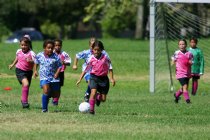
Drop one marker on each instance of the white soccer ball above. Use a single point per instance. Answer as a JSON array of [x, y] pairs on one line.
[[84, 107]]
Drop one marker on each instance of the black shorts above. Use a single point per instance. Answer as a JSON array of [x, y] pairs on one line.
[[20, 74], [101, 83], [184, 81], [61, 76]]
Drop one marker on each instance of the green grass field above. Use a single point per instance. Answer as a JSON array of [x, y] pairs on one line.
[[129, 113]]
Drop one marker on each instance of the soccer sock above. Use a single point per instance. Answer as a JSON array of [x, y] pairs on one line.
[[45, 100], [178, 93], [55, 99], [24, 97], [92, 104], [194, 87], [88, 90], [186, 95], [98, 96]]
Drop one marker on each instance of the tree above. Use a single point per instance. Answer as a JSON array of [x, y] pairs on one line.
[[116, 16]]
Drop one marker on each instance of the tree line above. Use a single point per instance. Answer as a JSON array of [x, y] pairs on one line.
[[64, 18]]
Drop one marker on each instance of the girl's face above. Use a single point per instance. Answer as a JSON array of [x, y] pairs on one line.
[[182, 46], [193, 43], [24, 46], [58, 46], [48, 50], [97, 51]]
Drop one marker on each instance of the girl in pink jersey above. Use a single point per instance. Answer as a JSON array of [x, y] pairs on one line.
[[183, 60], [65, 60], [99, 67], [24, 62]]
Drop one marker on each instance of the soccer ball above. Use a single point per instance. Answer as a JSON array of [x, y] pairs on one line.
[[84, 107]]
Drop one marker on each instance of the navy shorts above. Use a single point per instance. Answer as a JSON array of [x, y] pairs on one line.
[[184, 81], [20, 74], [101, 83]]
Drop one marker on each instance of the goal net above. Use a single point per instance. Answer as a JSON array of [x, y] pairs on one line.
[[171, 22]]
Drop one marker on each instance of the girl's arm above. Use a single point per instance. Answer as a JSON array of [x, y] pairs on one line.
[[111, 75], [75, 63], [57, 73], [81, 76], [14, 62], [35, 71]]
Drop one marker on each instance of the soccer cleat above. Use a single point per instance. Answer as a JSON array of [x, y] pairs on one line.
[[92, 112], [55, 103], [188, 101], [176, 98], [86, 97], [25, 105], [44, 110]]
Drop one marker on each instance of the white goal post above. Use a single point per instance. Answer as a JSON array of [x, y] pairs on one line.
[[152, 34]]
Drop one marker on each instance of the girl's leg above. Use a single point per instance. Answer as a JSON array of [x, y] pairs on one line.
[[194, 85], [87, 94], [185, 93], [45, 97], [25, 91], [92, 100], [179, 93]]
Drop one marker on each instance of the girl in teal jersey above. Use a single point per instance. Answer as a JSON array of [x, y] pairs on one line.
[[197, 68]]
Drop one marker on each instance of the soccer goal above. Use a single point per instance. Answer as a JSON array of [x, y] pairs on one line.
[[171, 20]]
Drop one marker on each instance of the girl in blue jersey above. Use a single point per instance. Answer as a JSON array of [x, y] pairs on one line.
[[50, 66]]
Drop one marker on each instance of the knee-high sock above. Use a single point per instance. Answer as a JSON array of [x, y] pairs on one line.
[[45, 100], [24, 97], [186, 95], [56, 99], [88, 90], [178, 93], [194, 86], [92, 104]]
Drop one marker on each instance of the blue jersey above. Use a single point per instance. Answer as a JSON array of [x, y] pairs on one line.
[[48, 66]]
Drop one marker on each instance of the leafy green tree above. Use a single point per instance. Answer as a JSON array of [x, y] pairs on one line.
[[114, 16]]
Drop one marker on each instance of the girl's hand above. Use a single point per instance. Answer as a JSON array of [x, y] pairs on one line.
[[74, 67], [35, 74], [56, 75], [113, 82], [10, 66], [78, 82]]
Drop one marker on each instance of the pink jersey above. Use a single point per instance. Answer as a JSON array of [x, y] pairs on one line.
[[22, 58], [183, 65], [98, 67], [64, 57]]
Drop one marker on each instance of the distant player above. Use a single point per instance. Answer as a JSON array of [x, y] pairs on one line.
[[65, 60], [197, 68], [99, 66], [183, 60], [50, 66], [85, 55], [24, 65]]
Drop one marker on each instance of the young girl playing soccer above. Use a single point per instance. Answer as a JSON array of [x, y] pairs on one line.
[[65, 60], [197, 68], [50, 66], [99, 66], [24, 65], [85, 55], [183, 60]]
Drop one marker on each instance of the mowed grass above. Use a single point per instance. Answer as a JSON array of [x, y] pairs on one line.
[[130, 112]]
